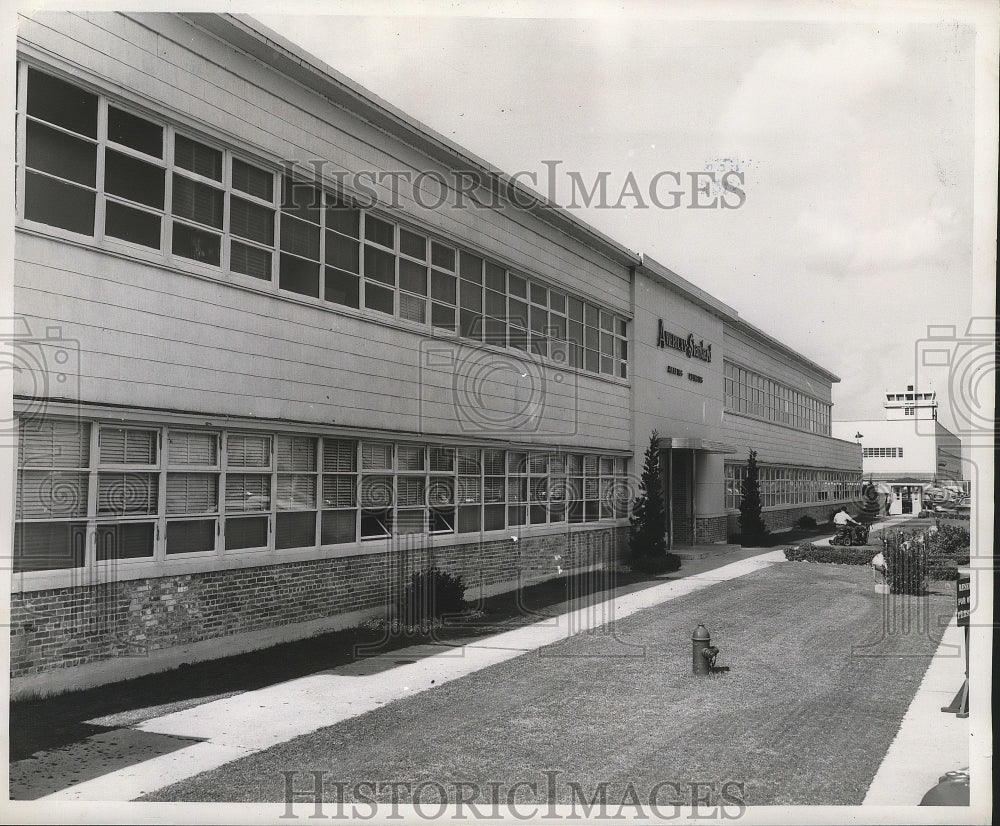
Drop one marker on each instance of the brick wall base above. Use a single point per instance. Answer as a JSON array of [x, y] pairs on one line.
[[787, 517], [709, 529], [69, 638]]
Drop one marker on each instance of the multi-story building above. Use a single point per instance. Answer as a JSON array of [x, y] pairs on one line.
[[286, 346], [909, 452]]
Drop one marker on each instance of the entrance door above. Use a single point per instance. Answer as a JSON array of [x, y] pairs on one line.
[[681, 497], [907, 500]]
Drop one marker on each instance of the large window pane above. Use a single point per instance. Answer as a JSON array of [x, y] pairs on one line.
[[134, 225], [299, 237], [191, 493], [59, 154], [52, 494], [253, 181], [249, 532], [52, 202], [196, 244], [198, 158], [380, 266], [412, 276], [190, 536], [342, 288], [251, 221], [381, 232], [248, 492], [48, 546], [135, 132], [127, 494], [197, 201], [133, 179], [379, 298], [62, 103], [298, 276], [338, 527], [129, 540], [249, 260], [342, 252], [344, 220], [412, 244], [295, 530]]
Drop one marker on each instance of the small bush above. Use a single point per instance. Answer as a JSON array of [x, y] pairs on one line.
[[806, 523], [836, 554], [429, 596], [951, 540]]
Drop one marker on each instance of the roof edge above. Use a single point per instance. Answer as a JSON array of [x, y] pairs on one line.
[[248, 34]]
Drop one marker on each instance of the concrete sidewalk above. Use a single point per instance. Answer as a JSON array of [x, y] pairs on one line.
[[930, 742]]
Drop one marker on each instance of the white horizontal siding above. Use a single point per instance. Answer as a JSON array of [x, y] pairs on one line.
[[749, 353], [786, 446], [154, 337]]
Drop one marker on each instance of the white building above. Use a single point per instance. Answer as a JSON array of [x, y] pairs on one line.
[[268, 384], [908, 451]]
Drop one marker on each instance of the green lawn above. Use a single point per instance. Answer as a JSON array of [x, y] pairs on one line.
[[822, 671]]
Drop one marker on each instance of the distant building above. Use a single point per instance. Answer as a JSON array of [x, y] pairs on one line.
[[909, 451]]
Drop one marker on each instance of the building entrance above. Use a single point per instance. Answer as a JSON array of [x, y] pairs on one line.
[[680, 497]]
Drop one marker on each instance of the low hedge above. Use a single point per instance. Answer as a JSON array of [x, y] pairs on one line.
[[837, 554]]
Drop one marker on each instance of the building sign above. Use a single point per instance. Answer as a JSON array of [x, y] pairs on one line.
[[687, 346], [674, 371], [695, 378], [964, 599]]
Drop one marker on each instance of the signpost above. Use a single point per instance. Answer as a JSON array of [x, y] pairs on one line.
[[960, 705]]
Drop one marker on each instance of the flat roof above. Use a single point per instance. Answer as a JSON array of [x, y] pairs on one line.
[[253, 37]]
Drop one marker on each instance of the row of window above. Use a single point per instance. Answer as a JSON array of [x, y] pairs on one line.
[[883, 453], [94, 168], [793, 486], [156, 492], [752, 393]]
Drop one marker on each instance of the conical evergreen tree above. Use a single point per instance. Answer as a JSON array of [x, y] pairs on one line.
[[752, 527], [871, 506], [648, 522]]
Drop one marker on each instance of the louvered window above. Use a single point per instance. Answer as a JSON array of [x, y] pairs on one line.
[[247, 494], [340, 482], [127, 446], [376, 456], [295, 525], [53, 456], [192, 495], [127, 495]]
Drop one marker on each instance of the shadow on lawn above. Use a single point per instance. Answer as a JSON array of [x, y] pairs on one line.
[[48, 723]]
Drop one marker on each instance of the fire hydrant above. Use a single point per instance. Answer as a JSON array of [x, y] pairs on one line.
[[701, 643]]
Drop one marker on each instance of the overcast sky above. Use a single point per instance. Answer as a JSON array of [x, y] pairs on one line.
[[855, 140]]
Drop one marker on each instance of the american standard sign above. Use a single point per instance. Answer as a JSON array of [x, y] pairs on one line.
[[687, 346]]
